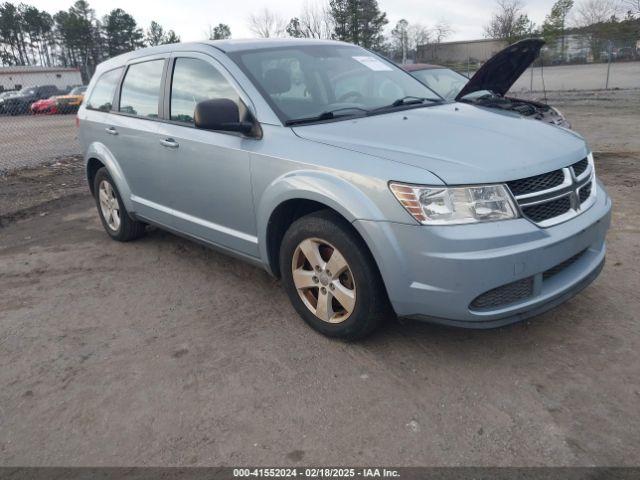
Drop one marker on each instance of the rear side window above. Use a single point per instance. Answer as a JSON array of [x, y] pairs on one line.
[[140, 93], [102, 94], [194, 81]]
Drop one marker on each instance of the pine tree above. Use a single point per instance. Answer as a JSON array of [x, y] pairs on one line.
[[555, 23], [358, 21], [155, 34], [121, 32]]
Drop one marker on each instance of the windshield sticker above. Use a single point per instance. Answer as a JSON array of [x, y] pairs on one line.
[[373, 63]]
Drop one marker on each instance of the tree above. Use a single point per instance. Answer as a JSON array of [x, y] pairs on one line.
[[590, 12], [509, 22], [155, 34], [171, 37], [358, 21], [314, 22], [266, 24], [555, 23], [11, 35], [418, 35], [294, 28], [400, 36], [78, 34], [221, 31], [442, 30], [121, 32]]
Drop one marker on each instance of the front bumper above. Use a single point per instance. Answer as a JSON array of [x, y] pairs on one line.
[[435, 273]]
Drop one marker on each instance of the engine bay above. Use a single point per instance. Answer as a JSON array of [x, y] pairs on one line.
[[527, 108]]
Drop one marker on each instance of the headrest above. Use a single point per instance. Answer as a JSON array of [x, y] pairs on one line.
[[277, 80]]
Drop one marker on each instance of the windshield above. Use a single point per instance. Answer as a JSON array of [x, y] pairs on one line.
[[303, 82], [78, 91], [443, 81], [28, 91]]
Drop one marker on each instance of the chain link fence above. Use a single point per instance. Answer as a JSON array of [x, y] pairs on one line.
[[37, 115]]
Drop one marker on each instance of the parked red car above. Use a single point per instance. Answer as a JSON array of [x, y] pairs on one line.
[[47, 106]]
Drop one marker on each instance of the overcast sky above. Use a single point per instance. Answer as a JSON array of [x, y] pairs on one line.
[[190, 18]]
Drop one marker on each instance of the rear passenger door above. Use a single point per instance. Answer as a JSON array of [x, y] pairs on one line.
[[134, 128], [98, 107], [209, 171]]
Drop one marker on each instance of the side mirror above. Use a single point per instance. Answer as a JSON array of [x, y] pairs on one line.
[[220, 114]]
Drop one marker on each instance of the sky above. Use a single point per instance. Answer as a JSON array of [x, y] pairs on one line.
[[191, 18]]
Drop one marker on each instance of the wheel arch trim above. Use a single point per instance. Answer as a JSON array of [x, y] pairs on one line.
[[100, 152], [310, 185]]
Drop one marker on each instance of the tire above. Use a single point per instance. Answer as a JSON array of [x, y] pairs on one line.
[[359, 283], [125, 228]]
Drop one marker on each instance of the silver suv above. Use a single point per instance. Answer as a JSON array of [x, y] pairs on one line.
[[333, 169]]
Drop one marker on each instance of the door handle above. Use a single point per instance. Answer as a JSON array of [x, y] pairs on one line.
[[169, 143], [111, 131]]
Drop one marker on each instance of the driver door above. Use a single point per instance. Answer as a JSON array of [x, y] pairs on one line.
[[210, 180]]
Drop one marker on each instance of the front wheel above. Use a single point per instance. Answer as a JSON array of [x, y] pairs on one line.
[[115, 218], [331, 278]]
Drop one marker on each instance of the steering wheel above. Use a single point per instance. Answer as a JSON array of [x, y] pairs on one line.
[[355, 96]]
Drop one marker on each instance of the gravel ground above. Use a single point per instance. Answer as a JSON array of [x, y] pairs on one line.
[[161, 352]]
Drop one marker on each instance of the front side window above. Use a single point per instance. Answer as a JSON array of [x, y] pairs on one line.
[[102, 94], [140, 93], [305, 81], [195, 81]]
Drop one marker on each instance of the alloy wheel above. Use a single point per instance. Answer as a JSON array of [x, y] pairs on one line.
[[323, 280], [109, 205]]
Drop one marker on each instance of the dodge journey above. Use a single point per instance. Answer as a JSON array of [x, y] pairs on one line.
[[367, 193]]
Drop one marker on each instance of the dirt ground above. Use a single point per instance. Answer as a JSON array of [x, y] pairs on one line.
[[161, 352]]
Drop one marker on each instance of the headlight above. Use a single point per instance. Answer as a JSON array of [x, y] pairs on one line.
[[455, 205]]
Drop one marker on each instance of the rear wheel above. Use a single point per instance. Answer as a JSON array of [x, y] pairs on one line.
[[115, 219], [331, 278]]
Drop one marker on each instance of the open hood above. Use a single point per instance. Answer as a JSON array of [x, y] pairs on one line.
[[502, 70]]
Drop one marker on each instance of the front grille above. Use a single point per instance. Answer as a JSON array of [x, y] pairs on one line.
[[561, 266], [536, 183], [504, 295], [580, 167], [555, 196], [585, 192], [545, 211]]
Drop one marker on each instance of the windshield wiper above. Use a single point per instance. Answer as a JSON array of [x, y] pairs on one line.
[[328, 115], [408, 100], [411, 100]]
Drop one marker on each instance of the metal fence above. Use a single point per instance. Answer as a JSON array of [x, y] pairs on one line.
[[570, 62], [37, 121]]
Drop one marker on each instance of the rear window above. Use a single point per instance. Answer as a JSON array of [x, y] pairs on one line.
[[141, 89], [103, 92]]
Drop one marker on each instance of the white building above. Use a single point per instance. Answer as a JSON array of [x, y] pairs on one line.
[[15, 78]]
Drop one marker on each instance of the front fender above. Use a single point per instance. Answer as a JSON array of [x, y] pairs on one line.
[[100, 152], [342, 196]]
